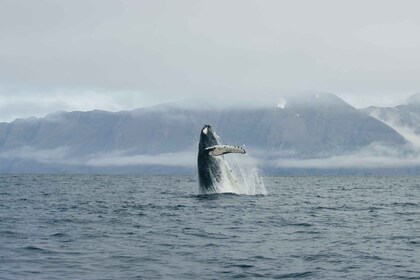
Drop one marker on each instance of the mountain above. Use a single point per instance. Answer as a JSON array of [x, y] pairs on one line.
[[165, 137], [403, 118]]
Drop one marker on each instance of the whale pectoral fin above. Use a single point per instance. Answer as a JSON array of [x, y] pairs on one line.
[[219, 150]]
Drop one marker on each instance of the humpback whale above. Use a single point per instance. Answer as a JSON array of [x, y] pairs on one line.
[[213, 170]]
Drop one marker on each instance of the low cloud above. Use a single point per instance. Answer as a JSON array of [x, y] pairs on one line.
[[179, 159], [393, 121], [57, 155], [63, 155], [373, 156]]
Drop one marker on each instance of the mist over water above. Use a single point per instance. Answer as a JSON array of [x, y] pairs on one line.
[[155, 227]]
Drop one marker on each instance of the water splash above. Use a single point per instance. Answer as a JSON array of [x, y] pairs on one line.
[[248, 179], [240, 175]]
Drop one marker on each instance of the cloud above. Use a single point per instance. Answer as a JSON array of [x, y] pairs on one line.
[[179, 159], [23, 103], [63, 155], [391, 35], [57, 155], [392, 119], [373, 156], [211, 51]]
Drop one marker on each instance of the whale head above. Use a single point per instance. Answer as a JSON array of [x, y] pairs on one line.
[[208, 137]]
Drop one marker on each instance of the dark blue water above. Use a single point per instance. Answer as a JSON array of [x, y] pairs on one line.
[[138, 227]]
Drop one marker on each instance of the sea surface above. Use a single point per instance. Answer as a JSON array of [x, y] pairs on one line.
[[157, 227]]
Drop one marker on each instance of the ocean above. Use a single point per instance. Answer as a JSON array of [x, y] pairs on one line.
[[157, 227]]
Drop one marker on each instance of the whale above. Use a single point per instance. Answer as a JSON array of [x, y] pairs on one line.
[[213, 171]]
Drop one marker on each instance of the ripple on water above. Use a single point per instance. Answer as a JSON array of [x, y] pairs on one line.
[[155, 227]]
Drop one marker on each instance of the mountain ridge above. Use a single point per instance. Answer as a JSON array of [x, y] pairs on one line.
[[320, 126]]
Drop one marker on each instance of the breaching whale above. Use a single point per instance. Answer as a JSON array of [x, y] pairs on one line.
[[213, 170]]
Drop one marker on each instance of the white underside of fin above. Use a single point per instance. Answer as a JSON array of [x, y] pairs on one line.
[[219, 150]]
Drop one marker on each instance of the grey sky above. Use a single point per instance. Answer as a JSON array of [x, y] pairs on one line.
[[86, 54]]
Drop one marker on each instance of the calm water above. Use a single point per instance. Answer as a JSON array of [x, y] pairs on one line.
[[137, 227]]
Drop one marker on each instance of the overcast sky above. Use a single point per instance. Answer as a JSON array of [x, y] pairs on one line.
[[114, 55]]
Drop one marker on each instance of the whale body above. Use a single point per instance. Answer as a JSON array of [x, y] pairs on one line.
[[213, 170]]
